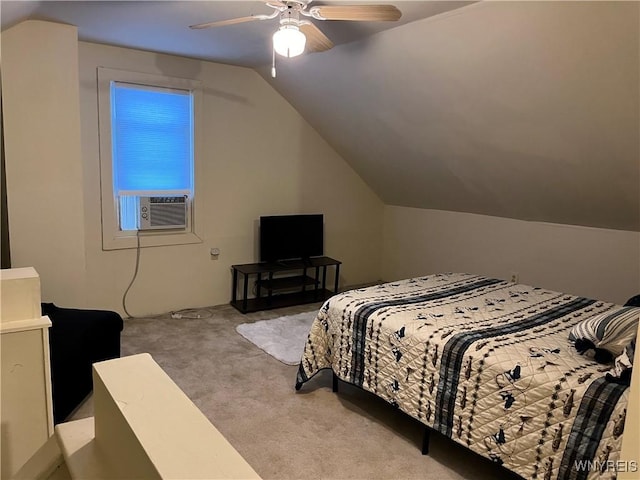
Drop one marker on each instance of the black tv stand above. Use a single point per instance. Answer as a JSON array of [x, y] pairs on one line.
[[284, 291]]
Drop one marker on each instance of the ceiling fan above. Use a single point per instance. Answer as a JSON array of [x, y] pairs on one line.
[[296, 34]]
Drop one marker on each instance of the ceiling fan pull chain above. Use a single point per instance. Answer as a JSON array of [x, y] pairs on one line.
[[273, 62]]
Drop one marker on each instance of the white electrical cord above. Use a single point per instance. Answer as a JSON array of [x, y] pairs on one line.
[[188, 313], [135, 274], [192, 313]]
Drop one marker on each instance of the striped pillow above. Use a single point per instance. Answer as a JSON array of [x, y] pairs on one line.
[[611, 331]]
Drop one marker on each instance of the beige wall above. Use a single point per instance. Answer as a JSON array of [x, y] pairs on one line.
[[261, 157], [43, 160], [592, 262]]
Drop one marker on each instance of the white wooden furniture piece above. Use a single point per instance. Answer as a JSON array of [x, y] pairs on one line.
[[146, 427], [25, 379]]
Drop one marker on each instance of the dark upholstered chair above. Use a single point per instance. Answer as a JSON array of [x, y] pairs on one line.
[[77, 339]]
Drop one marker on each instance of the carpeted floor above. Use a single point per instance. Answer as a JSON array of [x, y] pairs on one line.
[[249, 396]]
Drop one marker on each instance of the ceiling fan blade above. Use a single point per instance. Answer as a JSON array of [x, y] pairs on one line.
[[316, 40], [358, 13], [231, 21]]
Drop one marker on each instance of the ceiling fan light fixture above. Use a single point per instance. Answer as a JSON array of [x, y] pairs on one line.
[[289, 41]]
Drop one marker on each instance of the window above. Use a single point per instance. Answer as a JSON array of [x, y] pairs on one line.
[[147, 149], [152, 146]]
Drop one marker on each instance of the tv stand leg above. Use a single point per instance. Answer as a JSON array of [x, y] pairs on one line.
[[246, 289], [258, 285], [234, 294]]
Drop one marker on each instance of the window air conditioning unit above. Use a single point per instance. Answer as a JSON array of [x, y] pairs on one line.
[[163, 212]]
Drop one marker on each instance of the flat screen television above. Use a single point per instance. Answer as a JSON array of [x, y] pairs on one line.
[[288, 237]]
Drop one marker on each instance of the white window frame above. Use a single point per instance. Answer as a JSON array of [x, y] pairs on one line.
[[112, 237]]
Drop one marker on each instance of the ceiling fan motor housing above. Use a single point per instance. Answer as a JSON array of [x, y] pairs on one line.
[[290, 16], [289, 41]]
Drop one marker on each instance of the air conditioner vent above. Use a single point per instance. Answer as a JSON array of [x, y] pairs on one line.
[[163, 212]]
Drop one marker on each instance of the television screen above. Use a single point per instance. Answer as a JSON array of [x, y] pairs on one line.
[[286, 237]]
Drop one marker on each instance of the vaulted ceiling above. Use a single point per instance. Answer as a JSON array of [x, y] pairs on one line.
[[527, 110]]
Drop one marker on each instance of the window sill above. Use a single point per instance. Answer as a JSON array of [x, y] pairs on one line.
[[150, 239]]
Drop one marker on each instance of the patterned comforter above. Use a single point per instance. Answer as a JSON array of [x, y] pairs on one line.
[[483, 361]]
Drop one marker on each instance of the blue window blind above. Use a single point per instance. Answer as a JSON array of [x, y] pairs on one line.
[[152, 144]]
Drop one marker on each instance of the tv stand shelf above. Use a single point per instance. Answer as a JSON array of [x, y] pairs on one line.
[[287, 282], [308, 284]]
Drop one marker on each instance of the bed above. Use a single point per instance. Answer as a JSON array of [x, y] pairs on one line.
[[484, 362]]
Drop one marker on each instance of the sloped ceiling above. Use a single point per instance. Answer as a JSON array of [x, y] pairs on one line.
[[162, 25], [526, 110]]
